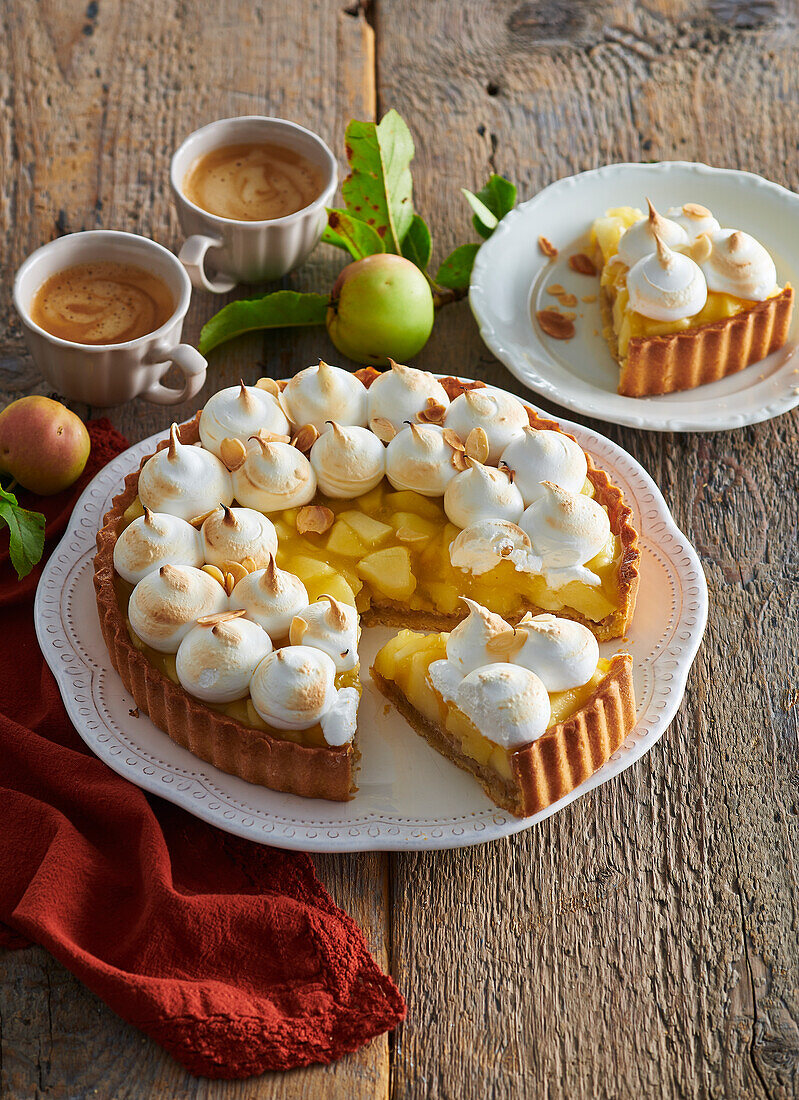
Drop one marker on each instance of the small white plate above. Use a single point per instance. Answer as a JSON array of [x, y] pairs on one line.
[[511, 276], [409, 797]]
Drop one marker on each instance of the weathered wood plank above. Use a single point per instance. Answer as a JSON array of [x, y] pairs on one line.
[[644, 941], [93, 101]]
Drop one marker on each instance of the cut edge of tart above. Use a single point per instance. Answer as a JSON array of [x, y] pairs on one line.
[[267, 758]]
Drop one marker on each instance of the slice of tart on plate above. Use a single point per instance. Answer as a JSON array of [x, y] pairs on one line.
[[531, 712], [236, 567], [684, 301]]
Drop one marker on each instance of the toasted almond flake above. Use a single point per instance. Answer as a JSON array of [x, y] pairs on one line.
[[568, 300], [459, 461], [556, 290], [268, 384], [367, 375], [695, 210], [502, 645], [408, 534], [477, 445], [383, 428], [250, 564], [453, 439], [215, 572], [548, 248], [314, 518], [569, 314], [220, 617], [282, 383], [582, 264], [701, 248], [588, 298], [434, 413], [230, 583], [198, 521], [235, 570], [456, 386], [233, 453], [305, 438], [554, 324]]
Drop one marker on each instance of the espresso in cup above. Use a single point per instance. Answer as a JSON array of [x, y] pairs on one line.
[[102, 302], [253, 182]]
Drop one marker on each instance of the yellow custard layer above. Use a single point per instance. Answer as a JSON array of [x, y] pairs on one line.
[[405, 660], [628, 325], [393, 548]]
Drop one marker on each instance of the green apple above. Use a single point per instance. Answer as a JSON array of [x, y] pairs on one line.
[[43, 445], [381, 308]]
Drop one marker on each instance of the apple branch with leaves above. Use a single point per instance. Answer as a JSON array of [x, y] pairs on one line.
[[26, 533], [378, 217]]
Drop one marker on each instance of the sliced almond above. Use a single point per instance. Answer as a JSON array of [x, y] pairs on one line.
[[477, 445], [695, 210], [501, 644], [230, 583], [271, 437], [460, 461], [555, 289], [234, 569], [409, 535], [250, 564], [588, 298], [582, 264], [701, 248], [569, 314], [548, 248], [233, 453], [198, 521], [383, 428], [555, 324], [568, 300], [305, 438], [220, 617], [268, 384], [434, 413], [453, 439], [314, 518], [367, 375], [215, 572]]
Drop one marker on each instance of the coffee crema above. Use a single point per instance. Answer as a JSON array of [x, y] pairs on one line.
[[102, 302], [252, 182]]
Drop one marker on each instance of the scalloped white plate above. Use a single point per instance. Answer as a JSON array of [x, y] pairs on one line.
[[409, 797], [511, 276]]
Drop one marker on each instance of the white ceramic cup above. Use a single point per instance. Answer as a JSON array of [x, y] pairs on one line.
[[249, 252], [110, 374]]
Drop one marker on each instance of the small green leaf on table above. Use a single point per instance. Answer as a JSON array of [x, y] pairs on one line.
[[491, 203], [356, 237], [283, 309], [417, 244], [26, 533], [456, 271], [379, 189]]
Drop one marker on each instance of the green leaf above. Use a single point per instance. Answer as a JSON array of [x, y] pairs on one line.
[[379, 189], [491, 203], [358, 238], [456, 270], [26, 533], [417, 244], [283, 309]]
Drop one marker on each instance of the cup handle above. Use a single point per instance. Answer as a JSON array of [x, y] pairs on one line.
[[193, 366], [192, 256]]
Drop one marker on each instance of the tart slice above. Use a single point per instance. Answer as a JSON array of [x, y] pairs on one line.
[[531, 712], [685, 302]]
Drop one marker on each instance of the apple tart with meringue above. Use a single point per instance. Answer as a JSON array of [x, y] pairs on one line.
[[685, 301], [237, 566]]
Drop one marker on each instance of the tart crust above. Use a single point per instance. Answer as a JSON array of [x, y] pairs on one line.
[[560, 760], [683, 360], [272, 761]]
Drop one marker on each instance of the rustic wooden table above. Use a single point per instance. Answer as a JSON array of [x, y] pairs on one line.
[[643, 942]]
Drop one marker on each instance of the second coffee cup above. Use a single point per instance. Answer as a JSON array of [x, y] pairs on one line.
[[226, 176]]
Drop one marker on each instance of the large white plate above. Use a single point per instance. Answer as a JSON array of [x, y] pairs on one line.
[[409, 796], [511, 276]]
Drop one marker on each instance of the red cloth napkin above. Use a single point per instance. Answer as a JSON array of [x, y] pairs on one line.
[[230, 954]]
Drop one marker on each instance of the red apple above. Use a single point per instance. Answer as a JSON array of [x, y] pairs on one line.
[[43, 445]]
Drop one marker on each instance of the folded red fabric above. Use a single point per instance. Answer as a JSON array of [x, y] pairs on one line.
[[231, 955]]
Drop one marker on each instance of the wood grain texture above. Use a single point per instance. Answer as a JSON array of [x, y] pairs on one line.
[[643, 942]]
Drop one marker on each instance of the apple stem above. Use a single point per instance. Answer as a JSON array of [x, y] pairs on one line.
[[445, 297]]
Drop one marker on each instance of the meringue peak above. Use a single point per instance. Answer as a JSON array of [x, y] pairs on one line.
[[174, 577], [664, 253], [174, 442]]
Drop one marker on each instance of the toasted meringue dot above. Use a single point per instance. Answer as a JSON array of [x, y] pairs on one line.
[[322, 393], [472, 642], [153, 540], [639, 240], [330, 626], [271, 597], [538, 455], [500, 416], [566, 530], [401, 393], [348, 461], [293, 687], [274, 476], [420, 458], [666, 285], [165, 604], [562, 653], [215, 662], [239, 412], [739, 265], [184, 481], [236, 534], [481, 493], [693, 218]]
